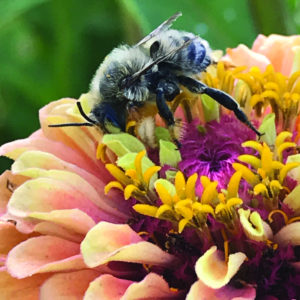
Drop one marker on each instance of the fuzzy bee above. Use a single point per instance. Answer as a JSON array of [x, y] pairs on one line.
[[152, 72]]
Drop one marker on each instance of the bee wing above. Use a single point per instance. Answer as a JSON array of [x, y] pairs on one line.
[[158, 60], [162, 27]]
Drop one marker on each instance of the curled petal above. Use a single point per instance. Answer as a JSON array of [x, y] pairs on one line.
[[254, 227], [213, 271], [44, 254], [292, 200], [288, 167], [112, 242], [289, 234], [67, 285], [199, 291]]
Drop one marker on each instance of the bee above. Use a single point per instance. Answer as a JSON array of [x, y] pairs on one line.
[[152, 72]]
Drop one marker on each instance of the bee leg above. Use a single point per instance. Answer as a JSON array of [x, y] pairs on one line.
[[165, 112], [196, 86]]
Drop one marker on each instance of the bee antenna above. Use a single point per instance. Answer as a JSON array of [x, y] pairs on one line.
[[71, 124], [83, 114]]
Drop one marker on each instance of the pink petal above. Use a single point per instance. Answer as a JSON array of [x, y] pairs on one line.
[[64, 191], [111, 242], [67, 285], [43, 254], [289, 234], [20, 289], [39, 142], [243, 56], [199, 291], [107, 287], [213, 271]]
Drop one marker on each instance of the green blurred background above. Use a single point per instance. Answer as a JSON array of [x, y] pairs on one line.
[[50, 49]]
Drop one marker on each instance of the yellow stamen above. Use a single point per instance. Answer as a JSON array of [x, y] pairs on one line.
[[149, 173], [270, 217], [163, 209], [163, 194], [130, 124], [233, 185], [145, 209], [131, 173], [266, 158], [100, 153], [118, 174], [226, 244], [180, 184], [190, 186], [181, 225], [247, 174], [113, 184], [260, 189], [283, 147], [209, 193], [288, 167], [138, 163], [254, 145], [143, 233], [282, 136], [251, 160], [129, 190]]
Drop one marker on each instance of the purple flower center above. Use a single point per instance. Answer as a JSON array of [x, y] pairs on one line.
[[213, 152]]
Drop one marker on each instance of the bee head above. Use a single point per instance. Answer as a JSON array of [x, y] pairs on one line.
[[110, 114]]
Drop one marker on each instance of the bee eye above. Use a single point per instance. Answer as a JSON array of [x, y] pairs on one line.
[[154, 48]]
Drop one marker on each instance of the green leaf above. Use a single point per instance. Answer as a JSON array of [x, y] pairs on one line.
[[167, 185], [269, 129], [168, 154], [162, 133], [122, 143], [210, 108], [126, 162]]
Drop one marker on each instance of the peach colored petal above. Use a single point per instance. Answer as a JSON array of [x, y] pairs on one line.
[[64, 191], [199, 291], [151, 287], [8, 182], [279, 50], [259, 42], [43, 254], [111, 242], [35, 163], [289, 234], [9, 237], [69, 286], [80, 138], [107, 287], [48, 228], [72, 219], [20, 289], [243, 56], [213, 271]]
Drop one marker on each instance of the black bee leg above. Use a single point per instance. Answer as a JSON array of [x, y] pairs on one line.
[[165, 112], [221, 97]]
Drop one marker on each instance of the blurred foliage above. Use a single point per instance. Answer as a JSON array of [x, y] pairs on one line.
[[50, 49]]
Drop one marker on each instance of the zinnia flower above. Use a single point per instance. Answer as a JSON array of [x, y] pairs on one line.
[[88, 216]]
